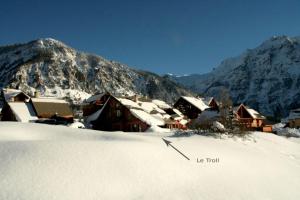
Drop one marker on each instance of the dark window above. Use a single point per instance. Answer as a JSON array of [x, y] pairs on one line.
[[119, 113]]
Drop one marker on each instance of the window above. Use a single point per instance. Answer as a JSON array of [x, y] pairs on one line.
[[119, 113]]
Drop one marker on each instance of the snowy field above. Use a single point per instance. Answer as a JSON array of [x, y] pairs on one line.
[[54, 162]]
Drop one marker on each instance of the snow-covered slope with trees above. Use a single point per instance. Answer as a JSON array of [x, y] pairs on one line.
[[58, 70], [266, 78], [54, 162]]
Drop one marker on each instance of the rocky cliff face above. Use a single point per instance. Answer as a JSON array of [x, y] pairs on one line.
[[266, 78], [54, 69]]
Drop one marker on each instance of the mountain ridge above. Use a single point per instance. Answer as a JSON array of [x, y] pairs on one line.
[[55, 69], [266, 78]]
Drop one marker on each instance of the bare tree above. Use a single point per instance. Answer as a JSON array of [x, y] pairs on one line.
[[225, 106]]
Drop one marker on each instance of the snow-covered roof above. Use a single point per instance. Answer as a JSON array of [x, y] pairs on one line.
[[150, 107], [23, 112], [253, 113], [161, 104], [96, 114], [140, 112], [183, 121], [129, 103], [178, 112], [198, 103], [147, 118], [207, 100], [94, 98], [49, 100], [10, 93]]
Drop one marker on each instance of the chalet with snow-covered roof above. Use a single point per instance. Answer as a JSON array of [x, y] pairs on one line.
[[294, 118], [248, 117], [120, 114], [13, 95], [18, 106], [191, 106], [94, 103], [211, 102], [131, 114]]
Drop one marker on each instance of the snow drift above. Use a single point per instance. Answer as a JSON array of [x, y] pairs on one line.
[[55, 162]]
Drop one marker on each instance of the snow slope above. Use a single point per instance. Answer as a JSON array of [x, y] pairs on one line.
[[55, 162]]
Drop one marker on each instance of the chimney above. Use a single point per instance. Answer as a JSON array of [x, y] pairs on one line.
[[135, 98], [36, 94]]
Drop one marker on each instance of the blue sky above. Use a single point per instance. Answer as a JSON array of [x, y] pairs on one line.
[[180, 37]]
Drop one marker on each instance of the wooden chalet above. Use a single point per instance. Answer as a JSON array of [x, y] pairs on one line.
[[249, 118], [94, 103], [132, 114], [294, 118], [18, 106], [173, 118], [191, 106], [121, 114], [211, 102]]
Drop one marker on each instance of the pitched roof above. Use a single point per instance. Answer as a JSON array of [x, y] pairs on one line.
[[94, 98], [49, 100], [207, 100], [147, 118], [253, 113], [140, 113], [96, 114], [198, 103], [48, 107], [161, 104], [10, 93], [23, 112], [150, 107]]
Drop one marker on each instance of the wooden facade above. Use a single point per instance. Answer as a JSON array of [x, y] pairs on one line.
[[246, 119], [294, 119], [213, 104], [7, 96], [117, 117], [174, 124], [294, 123], [7, 114], [187, 108]]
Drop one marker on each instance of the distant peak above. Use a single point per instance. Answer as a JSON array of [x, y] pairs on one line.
[[48, 42]]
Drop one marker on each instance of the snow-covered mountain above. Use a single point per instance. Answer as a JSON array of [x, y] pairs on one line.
[[58, 70], [266, 78]]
